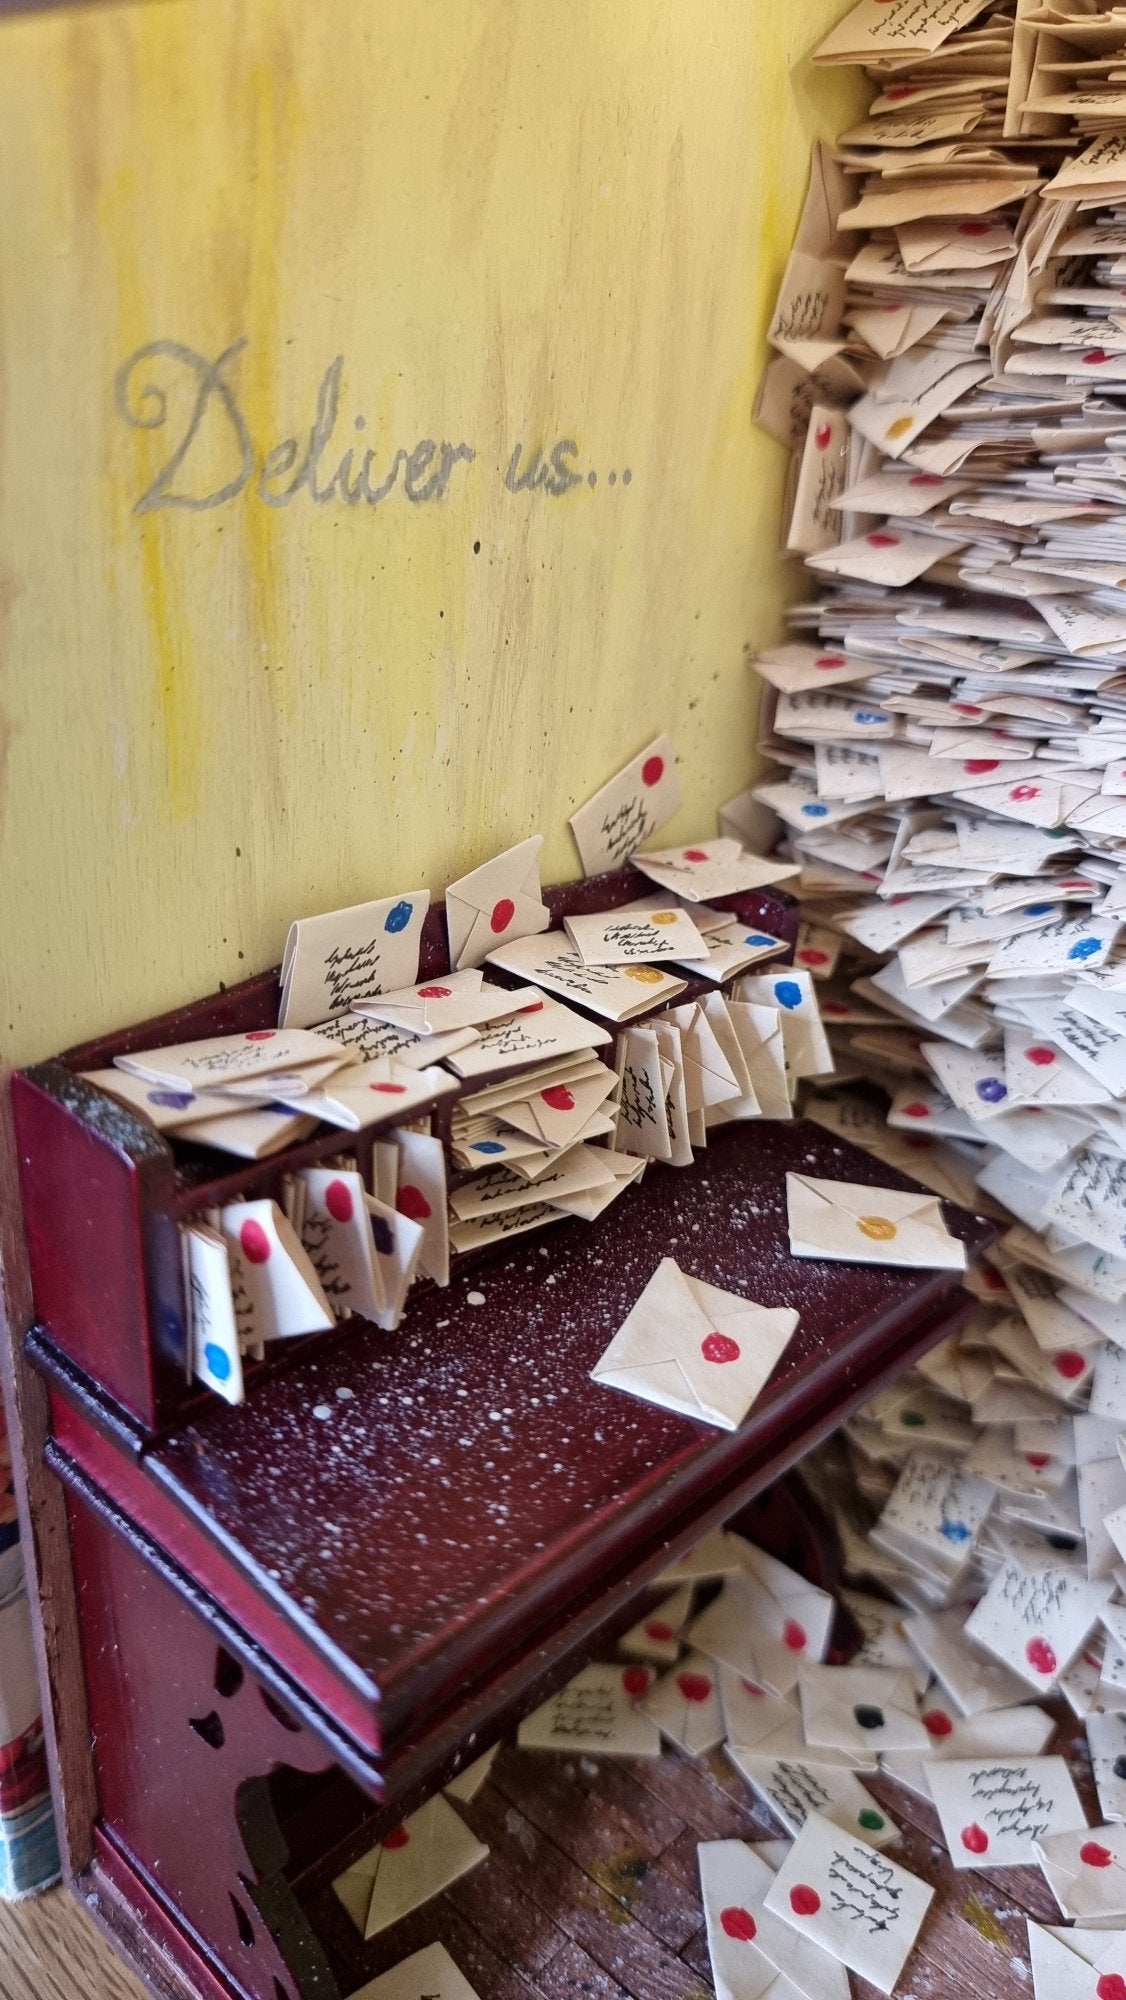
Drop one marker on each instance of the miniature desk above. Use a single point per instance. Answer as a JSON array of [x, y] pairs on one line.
[[297, 1617]]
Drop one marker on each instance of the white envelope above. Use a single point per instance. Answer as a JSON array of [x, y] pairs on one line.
[[398, 1246], [656, 1637], [332, 960], [371, 1093], [793, 1787], [421, 1197], [272, 1277], [868, 1710], [689, 1346], [336, 1233], [868, 1225], [455, 1000], [546, 1028], [792, 993], [221, 1058], [496, 902], [766, 1624], [632, 937], [216, 1357], [1086, 1872], [416, 1861], [610, 827], [853, 1902], [710, 868], [1062, 1973], [993, 1809], [596, 1715], [749, 1947], [615, 992], [685, 1705], [426, 1975]]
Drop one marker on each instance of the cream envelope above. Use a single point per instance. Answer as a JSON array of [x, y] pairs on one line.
[[421, 1197], [1036, 1620], [216, 1357], [656, 1637], [1003, 1732], [884, 556], [1060, 1973], [426, 1975], [613, 824], [498, 901], [290, 1086], [495, 1228], [336, 1232], [222, 1058], [596, 1715], [766, 1624], [752, 1715], [794, 1786], [761, 1040], [632, 937], [557, 1113], [708, 1075], [860, 1907], [792, 992], [993, 1809], [471, 1777], [371, 1093], [1086, 1872], [416, 1861], [868, 1225], [863, 1709], [251, 1135], [283, 1290], [545, 1029], [718, 1554], [670, 1048], [498, 1190], [874, 30], [685, 1705], [748, 1945], [330, 961], [689, 1346], [1038, 1072], [455, 1000], [710, 868], [370, 1041], [617, 993], [398, 1245], [731, 950], [165, 1107]]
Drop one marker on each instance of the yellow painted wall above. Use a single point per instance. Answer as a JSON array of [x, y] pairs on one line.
[[516, 221]]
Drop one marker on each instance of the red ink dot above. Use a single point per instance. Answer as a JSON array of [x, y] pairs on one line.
[[398, 1837], [1038, 1460], [879, 540], [925, 479], [694, 854], [255, 1242], [1040, 1055], [535, 1008], [965, 707], [652, 771], [1040, 1656], [738, 1924], [338, 1201], [828, 661], [503, 913], [719, 1347], [823, 436], [794, 1636], [694, 1687], [261, 1035], [975, 1840], [559, 1097], [1111, 1986], [635, 1681], [1019, 792], [1095, 356], [974, 228], [389, 1089], [659, 1632], [1070, 1365], [1094, 1856], [752, 1687], [411, 1202], [811, 956], [899, 90], [916, 1111], [434, 992], [834, 1007], [974, 765], [937, 1724], [804, 1901]]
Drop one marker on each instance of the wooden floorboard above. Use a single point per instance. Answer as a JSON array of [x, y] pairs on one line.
[[590, 1893]]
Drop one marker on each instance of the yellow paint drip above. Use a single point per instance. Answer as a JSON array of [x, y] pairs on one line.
[[986, 1924]]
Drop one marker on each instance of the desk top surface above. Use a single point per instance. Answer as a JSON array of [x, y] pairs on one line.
[[414, 1502]]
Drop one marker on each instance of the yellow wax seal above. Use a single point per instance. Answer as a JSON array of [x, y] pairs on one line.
[[664, 916], [900, 427], [877, 1227], [647, 974]]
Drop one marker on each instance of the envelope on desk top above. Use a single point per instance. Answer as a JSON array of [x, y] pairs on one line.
[[426, 1975], [559, 1113], [617, 993], [498, 901], [632, 937], [454, 1000], [709, 1076], [222, 1059], [868, 1225], [498, 1190], [330, 961], [792, 992], [656, 1637], [720, 867], [543, 1029], [250, 1134], [746, 1944], [163, 1105], [690, 1346], [416, 1861], [1086, 1872], [372, 1092], [731, 950]]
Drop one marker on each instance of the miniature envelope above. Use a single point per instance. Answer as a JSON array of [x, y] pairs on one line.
[[544, 1029], [221, 1058], [216, 1357], [864, 1709], [761, 1039], [416, 1861], [752, 1715], [336, 1232], [372, 1092], [993, 1809], [766, 1624], [792, 992], [718, 1554], [935, 1513], [496, 1228], [794, 668], [656, 1637], [1003, 1732], [863, 1909], [498, 1190], [498, 901], [868, 1225], [596, 1714], [558, 1113], [251, 1135], [1060, 1972], [164, 1107], [610, 827], [748, 1945], [712, 868], [709, 1077], [330, 961], [793, 1787], [470, 1779], [455, 1000], [426, 1975], [283, 1290], [619, 937], [689, 1346], [685, 1705], [1086, 1872], [398, 1243], [1035, 1621], [616, 992], [730, 950]]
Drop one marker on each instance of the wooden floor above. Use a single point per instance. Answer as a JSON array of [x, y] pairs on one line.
[[590, 1893]]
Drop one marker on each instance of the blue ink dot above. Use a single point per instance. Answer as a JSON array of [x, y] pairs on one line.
[[219, 1364], [991, 1090], [955, 1531], [816, 812], [171, 1100], [787, 993], [868, 715], [279, 1110], [398, 918], [486, 1146], [1038, 909], [1086, 948], [384, 1240], [759, 937], [1057, 833]]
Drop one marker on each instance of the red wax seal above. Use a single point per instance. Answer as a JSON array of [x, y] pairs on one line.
[[926, 479], [936, 1723], [503, 913], [823, 436], [879, 540], [411, 1202], [558, 1096], [1038, 1459], [1040, 1056], [434, 992], [389, 1089], [1040, 1656], [811, 956], [398, 1837], [1111, 1986], [973, 766], [635, 1681], [1095, 1856], [338, 1201], [1019, 792], [804, 1901], [916, 1110], [975, 1840], [255, 1242], [719, 1347], [694, 854], [974, 228], [827, 661], [1095, 356], [738, 1924], [794, 1636], [261, 1035], [1070, 1365], [652, 771], [659, 1632], [694, 1687]]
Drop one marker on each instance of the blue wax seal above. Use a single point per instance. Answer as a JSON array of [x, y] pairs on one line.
[[486, 1146], [760, 937], [219, 1363], [955, 1531], [171, 1100], [1038, 909], [384, 1239], [868, 715], [787, 992], [1086, 948], [398, 918], [815, 812], [991, 1090]]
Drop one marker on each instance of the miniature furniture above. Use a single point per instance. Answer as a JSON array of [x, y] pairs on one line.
[[299, 1616]]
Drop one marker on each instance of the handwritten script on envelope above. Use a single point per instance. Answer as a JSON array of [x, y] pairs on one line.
[[692, 1347], [868, 1225], [628, 810], [348, 955]]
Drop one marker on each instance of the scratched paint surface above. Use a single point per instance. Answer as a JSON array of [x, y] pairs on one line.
[[519, 225]]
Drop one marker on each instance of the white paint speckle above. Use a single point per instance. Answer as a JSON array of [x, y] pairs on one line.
[[474, 1298], [322, 1410]]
